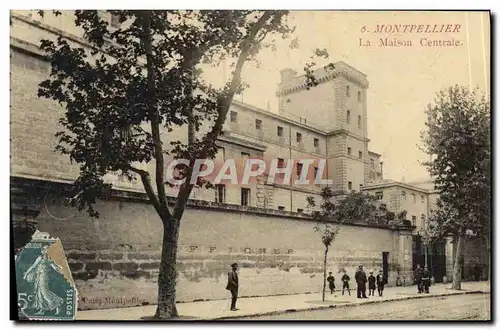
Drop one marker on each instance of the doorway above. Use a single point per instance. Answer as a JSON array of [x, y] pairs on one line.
[[385, 265]]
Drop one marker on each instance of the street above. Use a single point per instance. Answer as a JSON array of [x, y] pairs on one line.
[[463, 307]]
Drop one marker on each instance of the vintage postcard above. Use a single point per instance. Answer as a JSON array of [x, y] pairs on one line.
[[251, 165]]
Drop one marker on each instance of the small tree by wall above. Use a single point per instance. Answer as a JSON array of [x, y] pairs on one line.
[[328, 234]]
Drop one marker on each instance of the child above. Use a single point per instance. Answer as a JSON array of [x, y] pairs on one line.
[[380, 283], [345, 283], [331, 282], [371, 284]]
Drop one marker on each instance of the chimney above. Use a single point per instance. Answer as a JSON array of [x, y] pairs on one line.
[[268, 104], [381, 170], [287, 75]]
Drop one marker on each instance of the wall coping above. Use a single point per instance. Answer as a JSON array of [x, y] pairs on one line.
[[124, 195]]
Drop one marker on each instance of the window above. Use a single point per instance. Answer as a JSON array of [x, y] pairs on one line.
[[403, 195], [316, 142], [315, 173], [414, 220], [258, 124], [414, 197], [279, 131], [299, 137], [245, 157], [424, 223], [349, 185], [220, 193], [349, 151], [281, 163], [245, 196], [422, 199], [348, 116], [359, 96], [372, 163], [115, 21], [360, 186], [379, 195], [359, 121], [281, 208], [347, 91], [234, 117], [360, 154], [299, 169]]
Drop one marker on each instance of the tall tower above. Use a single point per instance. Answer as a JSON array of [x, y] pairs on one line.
[[338, 105]]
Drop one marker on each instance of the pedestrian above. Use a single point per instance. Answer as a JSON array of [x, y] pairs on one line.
[[360, 278], [233, 285], [345, 283], [331, 282], [426, 279], [371, 284], [380, 283], [418, 278]]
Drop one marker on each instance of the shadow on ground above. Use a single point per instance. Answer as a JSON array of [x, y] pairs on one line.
[[180, 318]]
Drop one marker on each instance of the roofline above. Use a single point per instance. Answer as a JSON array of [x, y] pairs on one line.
[[396, 183]]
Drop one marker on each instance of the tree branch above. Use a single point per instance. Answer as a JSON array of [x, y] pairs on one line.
[[153, 111], [223, 104], [146, 182]]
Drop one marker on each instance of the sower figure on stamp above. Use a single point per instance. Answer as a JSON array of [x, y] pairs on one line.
[[426, 279], [331, 282], [380, 283], [345, 283], [232, 285], [371, 284], [418, 278], [360, 278]]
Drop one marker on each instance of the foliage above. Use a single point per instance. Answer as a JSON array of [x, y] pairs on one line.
[[327, 233], [355, 207], [457, 136]]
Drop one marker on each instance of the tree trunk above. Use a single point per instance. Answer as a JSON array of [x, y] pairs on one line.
[[168, 274], [324, 273], [457, 269]]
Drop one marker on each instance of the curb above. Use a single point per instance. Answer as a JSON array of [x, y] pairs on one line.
[[347, 305]]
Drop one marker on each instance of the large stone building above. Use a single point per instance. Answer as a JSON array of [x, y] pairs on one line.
[[263, 226]]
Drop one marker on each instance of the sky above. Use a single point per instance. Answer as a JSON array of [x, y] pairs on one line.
[[403, 80]]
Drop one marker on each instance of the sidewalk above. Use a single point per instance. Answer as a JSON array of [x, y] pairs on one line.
[[219, 309]]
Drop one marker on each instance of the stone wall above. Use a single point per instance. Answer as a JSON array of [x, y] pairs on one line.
[[114, 259]]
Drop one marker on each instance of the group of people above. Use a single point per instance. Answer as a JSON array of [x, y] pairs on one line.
[[361, 279], [422, 279]]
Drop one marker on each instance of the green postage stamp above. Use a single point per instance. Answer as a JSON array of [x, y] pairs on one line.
[[45, 287]]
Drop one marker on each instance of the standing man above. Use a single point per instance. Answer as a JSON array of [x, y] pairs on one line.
[[426, 279], [331, 282], [232, 285], [418, 278], [345, 283], [380, 283], [361, 280]]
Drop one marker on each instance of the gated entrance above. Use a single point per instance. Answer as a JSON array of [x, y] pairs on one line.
[[436, 258]]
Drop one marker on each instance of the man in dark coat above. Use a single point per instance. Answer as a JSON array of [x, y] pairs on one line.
[[380, 283], [361, 280], [345, 283], [418, 278], [331, 282], [232, 285], [426, 279], [371, 284]]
